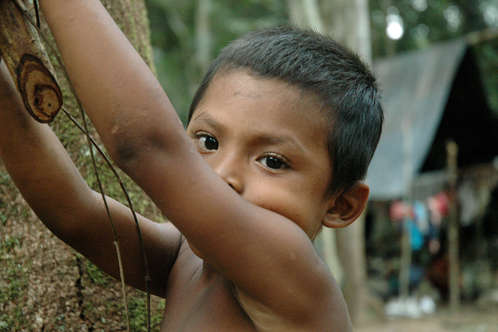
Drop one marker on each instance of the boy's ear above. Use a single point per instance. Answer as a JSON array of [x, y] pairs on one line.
[[347, 206]]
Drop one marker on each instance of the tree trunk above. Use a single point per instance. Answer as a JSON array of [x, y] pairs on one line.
[[351, 249], [203, 35], [306, 14], [348, 23], [66, 292]]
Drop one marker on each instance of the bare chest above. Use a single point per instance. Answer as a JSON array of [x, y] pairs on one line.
[[200, 303]]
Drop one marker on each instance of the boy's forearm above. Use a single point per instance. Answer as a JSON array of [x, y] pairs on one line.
[[117, 89]]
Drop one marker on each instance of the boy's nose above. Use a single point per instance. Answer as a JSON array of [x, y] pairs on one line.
[[230, 170]]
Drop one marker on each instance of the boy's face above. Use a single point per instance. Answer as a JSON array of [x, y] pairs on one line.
[[268, 141]]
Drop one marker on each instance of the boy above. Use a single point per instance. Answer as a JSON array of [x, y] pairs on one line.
[[280, 134]]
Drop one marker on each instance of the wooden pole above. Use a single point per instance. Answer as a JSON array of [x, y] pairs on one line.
[[406, 252], [452, 229]]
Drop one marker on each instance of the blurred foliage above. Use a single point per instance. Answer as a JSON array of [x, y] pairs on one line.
[[427, 21], [487, 58], [173, 27]]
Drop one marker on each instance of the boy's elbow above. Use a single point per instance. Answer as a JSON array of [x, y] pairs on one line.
[[128, 152], [141, 137], [124, 153], [126, 156], [126, 146]]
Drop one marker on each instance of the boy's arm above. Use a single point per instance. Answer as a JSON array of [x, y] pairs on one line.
[[267, 256], [53, 187]]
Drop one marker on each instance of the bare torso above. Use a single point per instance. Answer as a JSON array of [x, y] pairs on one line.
[[200, 299]]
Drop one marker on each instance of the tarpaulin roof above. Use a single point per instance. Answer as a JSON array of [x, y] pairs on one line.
[[415, 88]]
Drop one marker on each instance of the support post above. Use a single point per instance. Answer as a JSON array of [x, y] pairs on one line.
[[453, 225], [406, 251]]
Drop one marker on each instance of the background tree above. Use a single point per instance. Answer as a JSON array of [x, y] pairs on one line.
[[44, 285], [348, 22], [307, 15], [175, 27]]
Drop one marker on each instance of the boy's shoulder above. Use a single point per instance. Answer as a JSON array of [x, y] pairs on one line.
[[195, 284], [328, 312]]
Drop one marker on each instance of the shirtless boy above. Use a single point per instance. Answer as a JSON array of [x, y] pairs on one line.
[[280, 135]]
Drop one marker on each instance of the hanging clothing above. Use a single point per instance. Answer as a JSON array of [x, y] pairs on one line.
[[421, 217]]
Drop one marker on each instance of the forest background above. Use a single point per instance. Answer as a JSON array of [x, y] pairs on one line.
[[179, 31], [68, 293]]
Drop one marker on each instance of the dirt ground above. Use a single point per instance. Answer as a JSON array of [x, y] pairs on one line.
[[469, 319]]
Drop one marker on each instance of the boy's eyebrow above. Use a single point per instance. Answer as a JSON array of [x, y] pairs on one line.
[[209, 120], [265, 139], [262, 138]]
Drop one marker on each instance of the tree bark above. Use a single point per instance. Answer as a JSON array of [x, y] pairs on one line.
[[67, 292]]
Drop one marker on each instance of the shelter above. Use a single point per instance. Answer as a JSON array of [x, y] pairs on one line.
[[430, 96]]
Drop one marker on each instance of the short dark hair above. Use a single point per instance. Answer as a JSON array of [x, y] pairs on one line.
[[319, 65]]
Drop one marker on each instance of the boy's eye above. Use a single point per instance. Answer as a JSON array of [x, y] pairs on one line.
[[207, 142], [273, 162]]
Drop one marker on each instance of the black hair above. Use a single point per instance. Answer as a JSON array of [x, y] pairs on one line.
[[316, 64]]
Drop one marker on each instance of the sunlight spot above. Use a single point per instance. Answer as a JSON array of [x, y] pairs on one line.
[[453, 17], [394, 27], [490, 14], [419, 5]]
